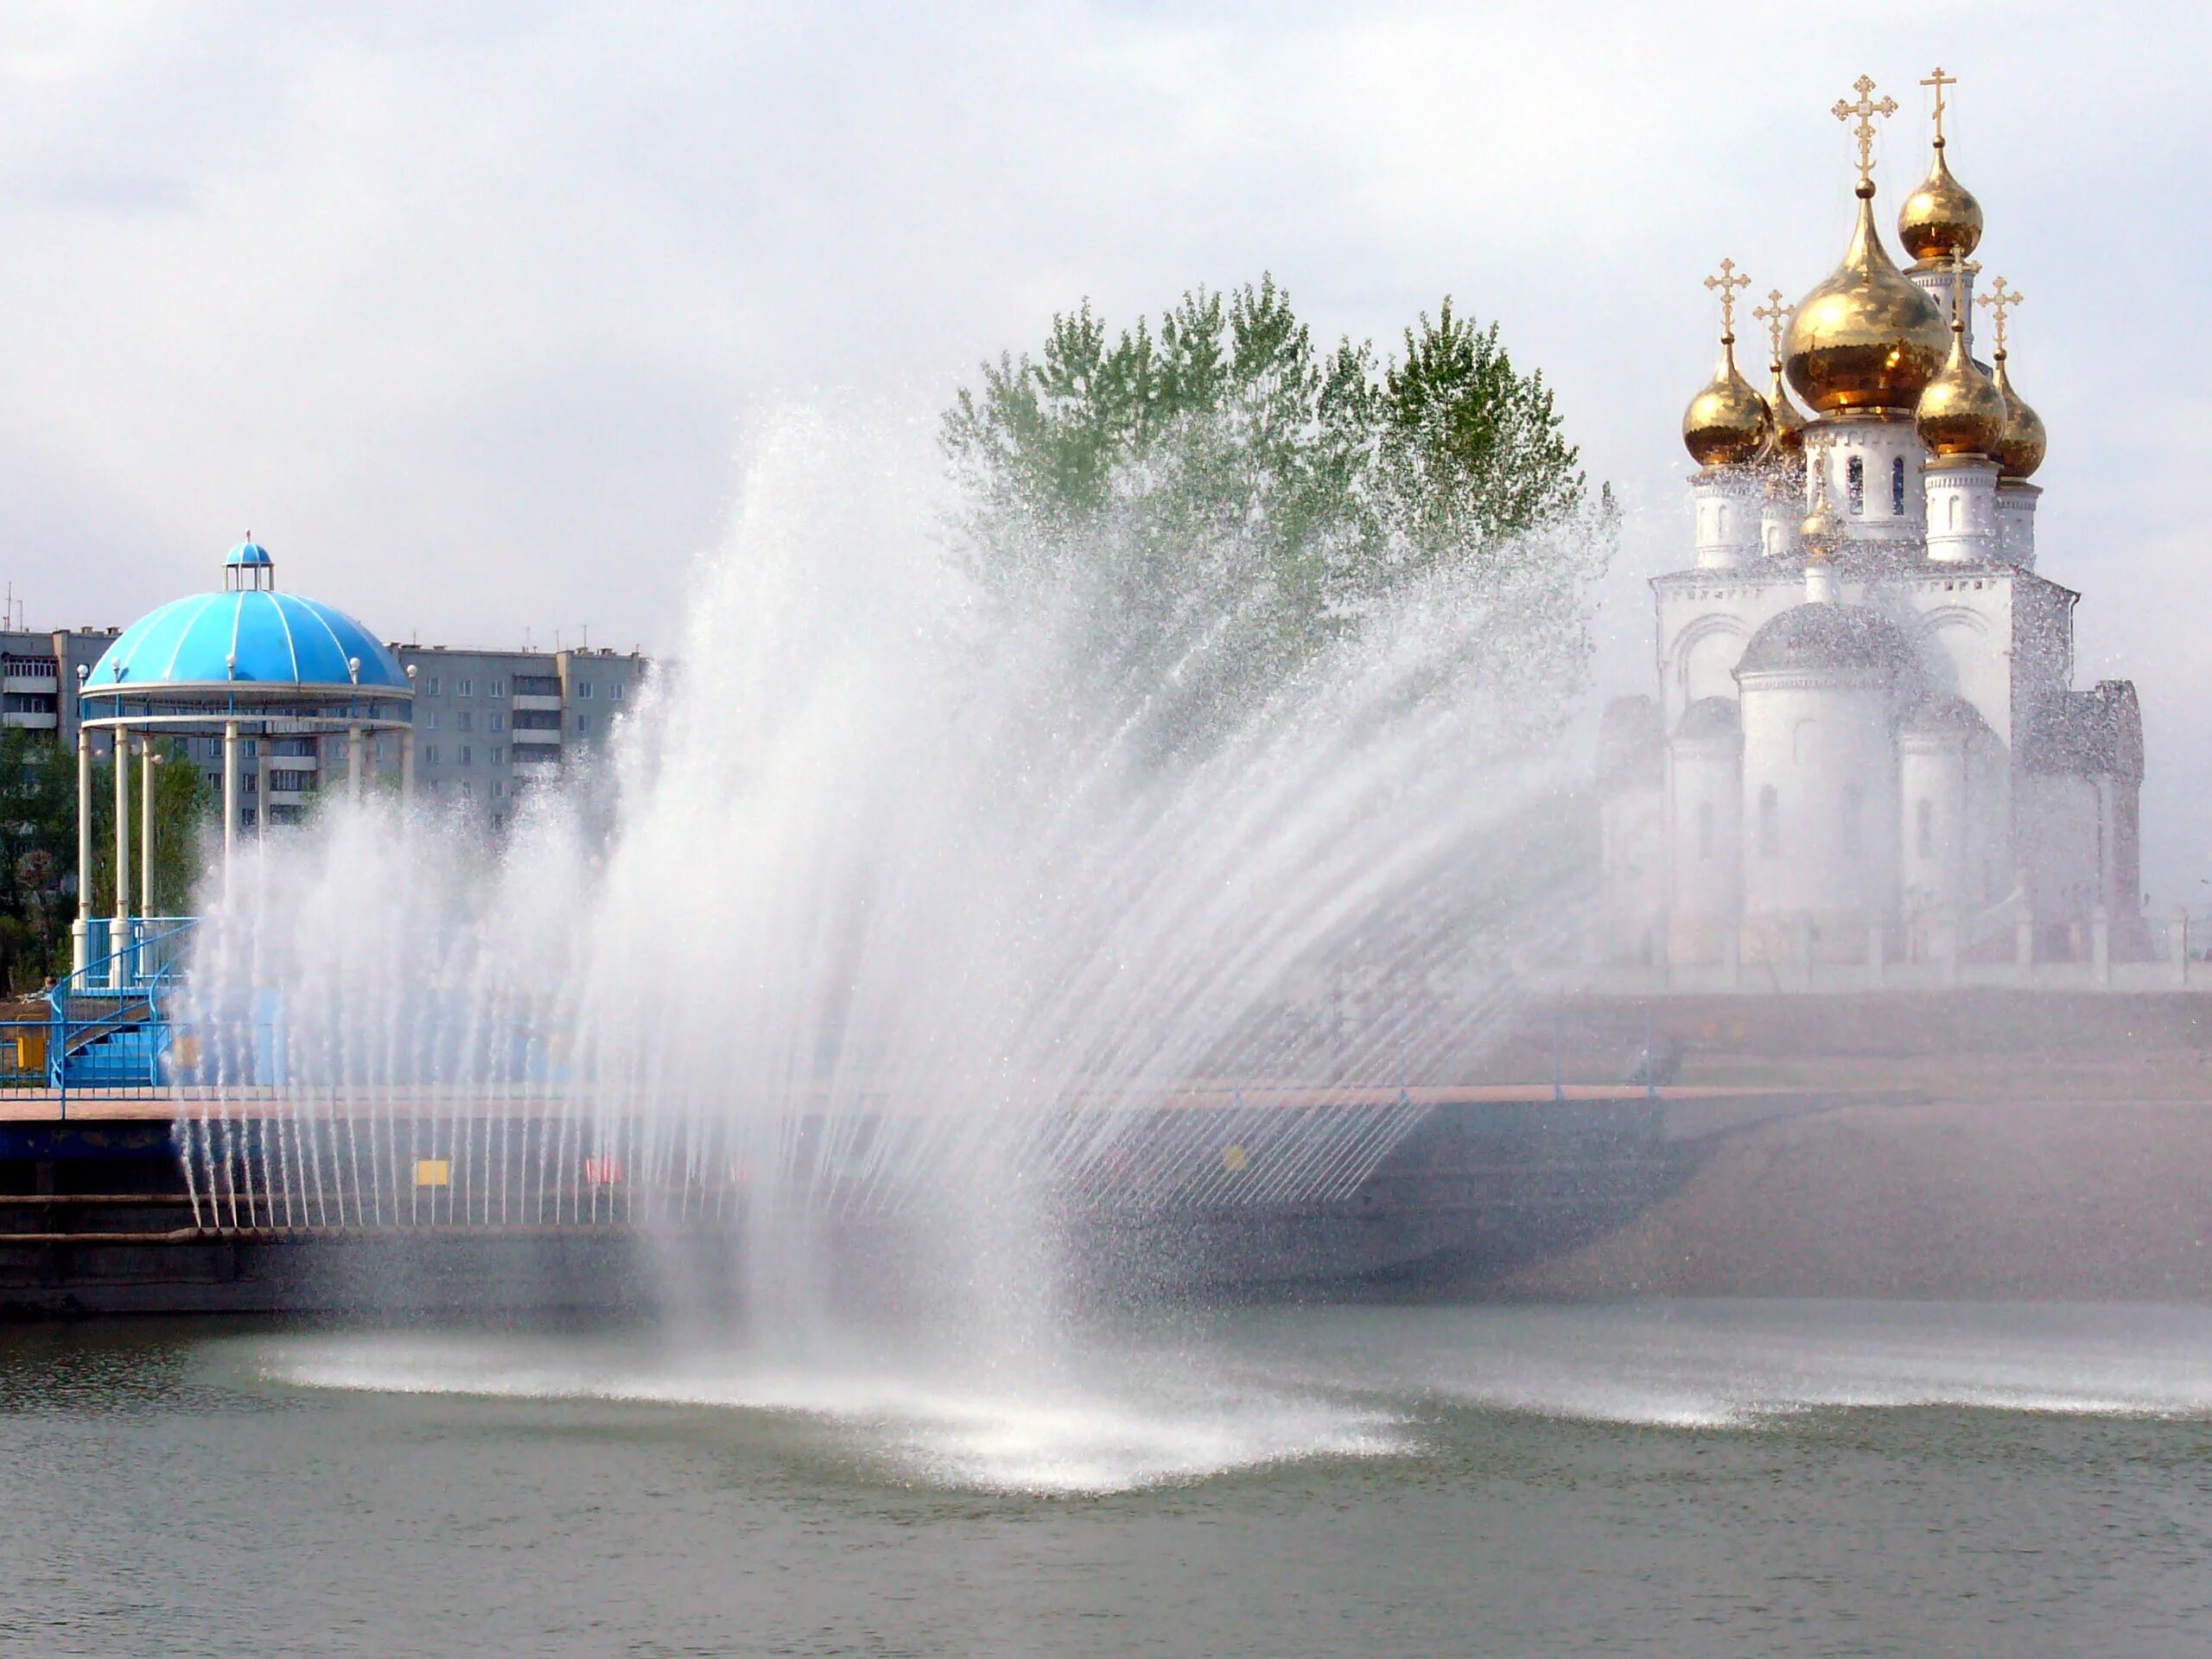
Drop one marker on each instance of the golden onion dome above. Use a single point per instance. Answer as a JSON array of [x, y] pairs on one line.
[[2020, 447], [1865, 339], [1785, 441], [1961, 412], [1727, 423], [1941, 218]]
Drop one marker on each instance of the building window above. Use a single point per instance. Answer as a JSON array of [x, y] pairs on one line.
[[1897, 487], [498, 756], [430, 719], [583, 725], [467, 754], [498, 689], [465, 721], [467, 687], [1705, 830], [1923, 829], [429, 754], [497, 722], [614, 692], [1855, 483], [1770, 823], [1853, 811], [435, 684], [468, 789], [498, 789], [583, 690]]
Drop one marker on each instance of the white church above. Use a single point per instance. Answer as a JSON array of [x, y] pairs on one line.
[[1866, 744]]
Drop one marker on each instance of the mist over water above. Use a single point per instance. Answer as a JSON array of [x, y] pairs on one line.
[[905, 902]]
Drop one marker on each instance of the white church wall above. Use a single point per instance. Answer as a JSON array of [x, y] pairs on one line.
[[1705, 842], [1820, 816], [1874, 479], [1963, 630], [1632, 830]]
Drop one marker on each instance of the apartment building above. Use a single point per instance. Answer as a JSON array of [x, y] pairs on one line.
[[38, 671], [488, 724]]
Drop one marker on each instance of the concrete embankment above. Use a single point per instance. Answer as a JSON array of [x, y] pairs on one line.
[[2038, 1148]]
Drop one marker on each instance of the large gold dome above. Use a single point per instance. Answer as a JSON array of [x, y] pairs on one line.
[[1865, 339], [1727, 423], [2020, 447], [1942, 218], [1962, 412]]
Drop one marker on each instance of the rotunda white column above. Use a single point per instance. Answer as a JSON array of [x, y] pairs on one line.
[[146, 762], [229, 789], [121, 938], [81, 934]]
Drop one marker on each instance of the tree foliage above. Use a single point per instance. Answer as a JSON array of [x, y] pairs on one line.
[[1219, 472], [38, 847]]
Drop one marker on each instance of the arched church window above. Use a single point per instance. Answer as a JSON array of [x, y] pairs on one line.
[[1854, 482], [1923, 829], [1705, 830], [1953, 505], [1897, 487], [1770, 823], [1851, 805]]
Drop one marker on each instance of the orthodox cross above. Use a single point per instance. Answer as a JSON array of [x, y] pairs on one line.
[[2000, 300], [1939, 80], [1728, 282], [1774, 314], [1865, 109]]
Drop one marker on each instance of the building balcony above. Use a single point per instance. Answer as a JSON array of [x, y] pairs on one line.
[[548, 705], [30, 720], [527, 738]]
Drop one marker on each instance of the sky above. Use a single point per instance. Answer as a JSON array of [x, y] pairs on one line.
[[465, 308]]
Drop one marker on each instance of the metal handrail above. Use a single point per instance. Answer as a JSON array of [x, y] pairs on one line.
[[137, 998]]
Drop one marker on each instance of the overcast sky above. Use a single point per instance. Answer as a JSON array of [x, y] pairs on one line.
[[464, 307]]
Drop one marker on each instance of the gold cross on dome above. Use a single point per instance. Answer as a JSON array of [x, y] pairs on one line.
[[1939, 80], [2000, 300], [1865, 109], [1776, 315], [1728, 282]]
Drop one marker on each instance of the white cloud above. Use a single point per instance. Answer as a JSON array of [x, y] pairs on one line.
[[462, 306]]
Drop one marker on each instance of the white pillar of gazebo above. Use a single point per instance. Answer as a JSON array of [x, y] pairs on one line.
[[229, 789], [355, 739], [147, 760], [81, 935], [407, 767], [121, 938]]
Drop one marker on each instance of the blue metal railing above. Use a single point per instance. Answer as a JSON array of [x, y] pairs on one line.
[[109, 1024]]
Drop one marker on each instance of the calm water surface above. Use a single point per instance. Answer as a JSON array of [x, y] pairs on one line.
[[1676, 1479]]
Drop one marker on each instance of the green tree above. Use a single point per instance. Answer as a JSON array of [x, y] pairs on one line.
[[38, 847], [1223, 479]]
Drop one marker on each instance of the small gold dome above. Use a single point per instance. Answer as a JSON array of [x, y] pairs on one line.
[[1822, 529], [1726, 424], [1962, 412], [1940, 218], [1785, 441], [1866, 339], [2020, 447]]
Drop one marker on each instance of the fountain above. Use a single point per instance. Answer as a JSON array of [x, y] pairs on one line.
[[910, 913]]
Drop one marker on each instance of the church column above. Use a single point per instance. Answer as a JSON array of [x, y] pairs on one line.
[[81, 935]]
